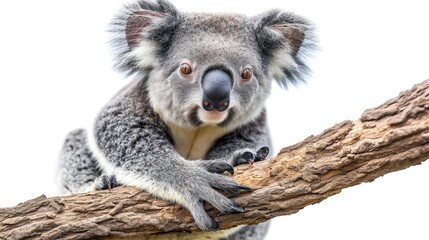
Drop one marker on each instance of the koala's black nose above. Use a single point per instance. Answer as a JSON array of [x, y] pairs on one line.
[[217, 85]]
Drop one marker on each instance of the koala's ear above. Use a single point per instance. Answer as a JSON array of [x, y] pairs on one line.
[[285, 40], [142, 32], [138, 21]]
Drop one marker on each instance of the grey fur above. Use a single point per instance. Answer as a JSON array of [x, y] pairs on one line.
[[78, 166], [134, 135]]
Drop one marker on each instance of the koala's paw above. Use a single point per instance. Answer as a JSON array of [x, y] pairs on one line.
[[246, 156], [106, 182], [203, 185]]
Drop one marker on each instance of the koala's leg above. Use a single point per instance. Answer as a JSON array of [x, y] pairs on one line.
[[78, 170], [139, 152], [248, 144]]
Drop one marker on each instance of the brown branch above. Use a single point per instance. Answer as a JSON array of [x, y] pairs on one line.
[[385, 139]]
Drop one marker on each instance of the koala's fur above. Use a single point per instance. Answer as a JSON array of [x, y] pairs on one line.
[[146, 134]]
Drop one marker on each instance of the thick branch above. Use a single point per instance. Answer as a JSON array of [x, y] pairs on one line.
[[385, 139]]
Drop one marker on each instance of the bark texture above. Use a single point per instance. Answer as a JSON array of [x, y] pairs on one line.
[[385, 139]]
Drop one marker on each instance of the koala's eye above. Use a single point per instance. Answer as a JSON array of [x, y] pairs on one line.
[[185, 69], [246, 74]]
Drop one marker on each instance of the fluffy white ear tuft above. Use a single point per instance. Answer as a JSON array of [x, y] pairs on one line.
[[141, 31], [285, 40]]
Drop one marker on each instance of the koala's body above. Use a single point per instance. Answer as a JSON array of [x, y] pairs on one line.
[[199, 89]]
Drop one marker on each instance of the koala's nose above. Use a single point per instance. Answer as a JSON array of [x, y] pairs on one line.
[[217, 85]]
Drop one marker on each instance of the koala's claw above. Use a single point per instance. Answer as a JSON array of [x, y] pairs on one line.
[[107, 182], [244, 188], [236, 209], [214, 224], [218, 167], [202, 219]]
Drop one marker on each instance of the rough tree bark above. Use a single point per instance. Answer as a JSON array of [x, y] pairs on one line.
[[387, 138]]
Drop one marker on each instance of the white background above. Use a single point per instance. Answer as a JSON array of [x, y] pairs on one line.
[[55, 75]]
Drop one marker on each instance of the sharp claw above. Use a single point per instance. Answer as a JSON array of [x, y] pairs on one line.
[[214, 225], [220, 169], [236, 209], [230, 169], [244, 188]]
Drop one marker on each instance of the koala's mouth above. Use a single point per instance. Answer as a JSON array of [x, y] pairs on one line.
[[212, 117], [199, 116]]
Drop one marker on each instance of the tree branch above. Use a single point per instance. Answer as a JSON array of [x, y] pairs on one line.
[[385, 139]]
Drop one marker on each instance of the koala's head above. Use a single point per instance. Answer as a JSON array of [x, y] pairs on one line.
[[202, 69]]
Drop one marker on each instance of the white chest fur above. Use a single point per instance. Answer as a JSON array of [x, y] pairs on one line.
[[194, 143]]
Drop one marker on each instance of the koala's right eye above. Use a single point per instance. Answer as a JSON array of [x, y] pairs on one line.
[[185, 69], [246, 74]]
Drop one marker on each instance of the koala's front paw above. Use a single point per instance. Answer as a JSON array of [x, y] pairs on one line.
[[106, 182], [245, 156], [202, 186]]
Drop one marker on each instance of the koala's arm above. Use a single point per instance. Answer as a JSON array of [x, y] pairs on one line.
[[252, 138], [134, 145]]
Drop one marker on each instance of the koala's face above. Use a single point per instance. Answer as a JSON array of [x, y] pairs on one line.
[[210, 69], [211, 74]]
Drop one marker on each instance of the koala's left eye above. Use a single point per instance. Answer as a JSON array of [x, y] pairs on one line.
[[185, 69], [246, 74]]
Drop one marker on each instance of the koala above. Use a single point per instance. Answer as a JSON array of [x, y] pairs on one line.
[[193, 110]]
